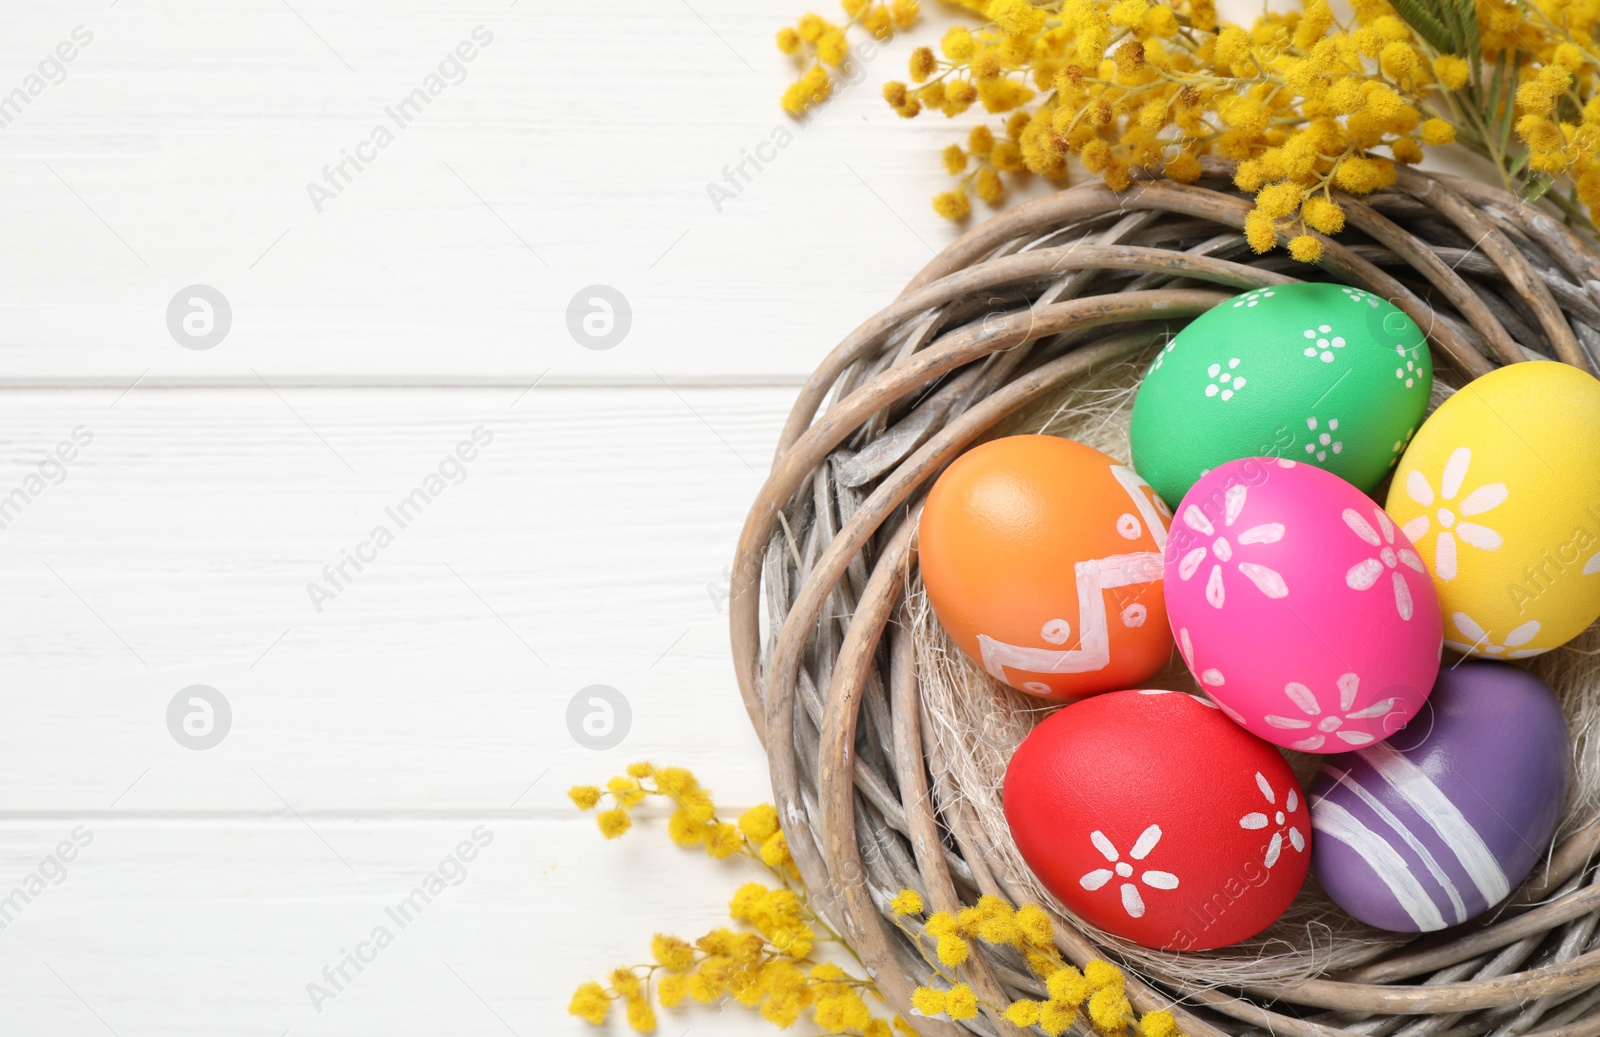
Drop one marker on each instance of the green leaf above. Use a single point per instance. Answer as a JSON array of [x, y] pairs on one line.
[[1535, 186], [1460, 19], [1508, 108], [1471, 38], [1434, 21], [1449, 16]]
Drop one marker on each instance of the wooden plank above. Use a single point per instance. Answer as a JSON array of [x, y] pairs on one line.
[[578, 149], [586, 544], [581, 145], [206, 928]]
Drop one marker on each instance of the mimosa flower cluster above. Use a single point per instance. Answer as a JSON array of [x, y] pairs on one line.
[[1096, 996], [1306, 106], [770, 963]]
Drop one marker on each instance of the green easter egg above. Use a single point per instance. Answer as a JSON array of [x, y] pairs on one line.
[[1321, 373]]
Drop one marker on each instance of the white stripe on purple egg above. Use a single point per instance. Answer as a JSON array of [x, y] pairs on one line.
[[1467, 805], [1443, 815], [1336, 822], [1376, 806]]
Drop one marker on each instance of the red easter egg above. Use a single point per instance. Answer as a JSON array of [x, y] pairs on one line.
[[1154, 817]]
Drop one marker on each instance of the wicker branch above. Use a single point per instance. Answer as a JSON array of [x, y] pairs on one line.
[[1020, 312]]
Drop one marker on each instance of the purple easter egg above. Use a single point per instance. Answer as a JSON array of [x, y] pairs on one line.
[[1443, 819]]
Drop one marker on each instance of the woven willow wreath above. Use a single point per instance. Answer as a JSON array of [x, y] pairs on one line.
[[885, 753]]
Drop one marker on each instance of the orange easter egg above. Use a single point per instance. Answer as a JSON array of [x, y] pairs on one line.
[[1042, 558]]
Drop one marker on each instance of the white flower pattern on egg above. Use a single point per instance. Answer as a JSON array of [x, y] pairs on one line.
[[1510, 648], [1323, 443], [1365, 573], [1161, 357], [1408, 373], [1267, 580], [1186, 646], [1224, 383], [1323, 343], [1484, 498], [1280, 819], [1249, 299], [1400, 446], [1132, 900], [1211, 677], [1332, 723]]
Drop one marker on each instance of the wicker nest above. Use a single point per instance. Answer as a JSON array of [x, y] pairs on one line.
[[874, 777]]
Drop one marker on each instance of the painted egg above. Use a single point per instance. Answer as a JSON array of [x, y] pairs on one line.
[[1440, 822], [1105, 806], [1300, 606], [1042, 559], [1500, 491], [1321, 373]]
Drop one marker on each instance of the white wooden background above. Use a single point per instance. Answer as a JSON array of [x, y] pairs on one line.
[[587, 544]]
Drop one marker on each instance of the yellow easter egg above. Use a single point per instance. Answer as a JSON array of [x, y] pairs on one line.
[[1500, 493]]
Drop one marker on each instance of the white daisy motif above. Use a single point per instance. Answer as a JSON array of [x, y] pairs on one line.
[[1323, 342], [1326, 724], [1365, 573], [1400, 446], [1409, 372], [1224, 382], [1478, 638], [1323, 443], [1277, 817], [1268, 581], [1485, 498], [1132, 901], [1249, 299], [1161, 357], [1211, 677]]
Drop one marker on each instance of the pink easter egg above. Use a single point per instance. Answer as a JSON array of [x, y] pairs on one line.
[[1300, 606]]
